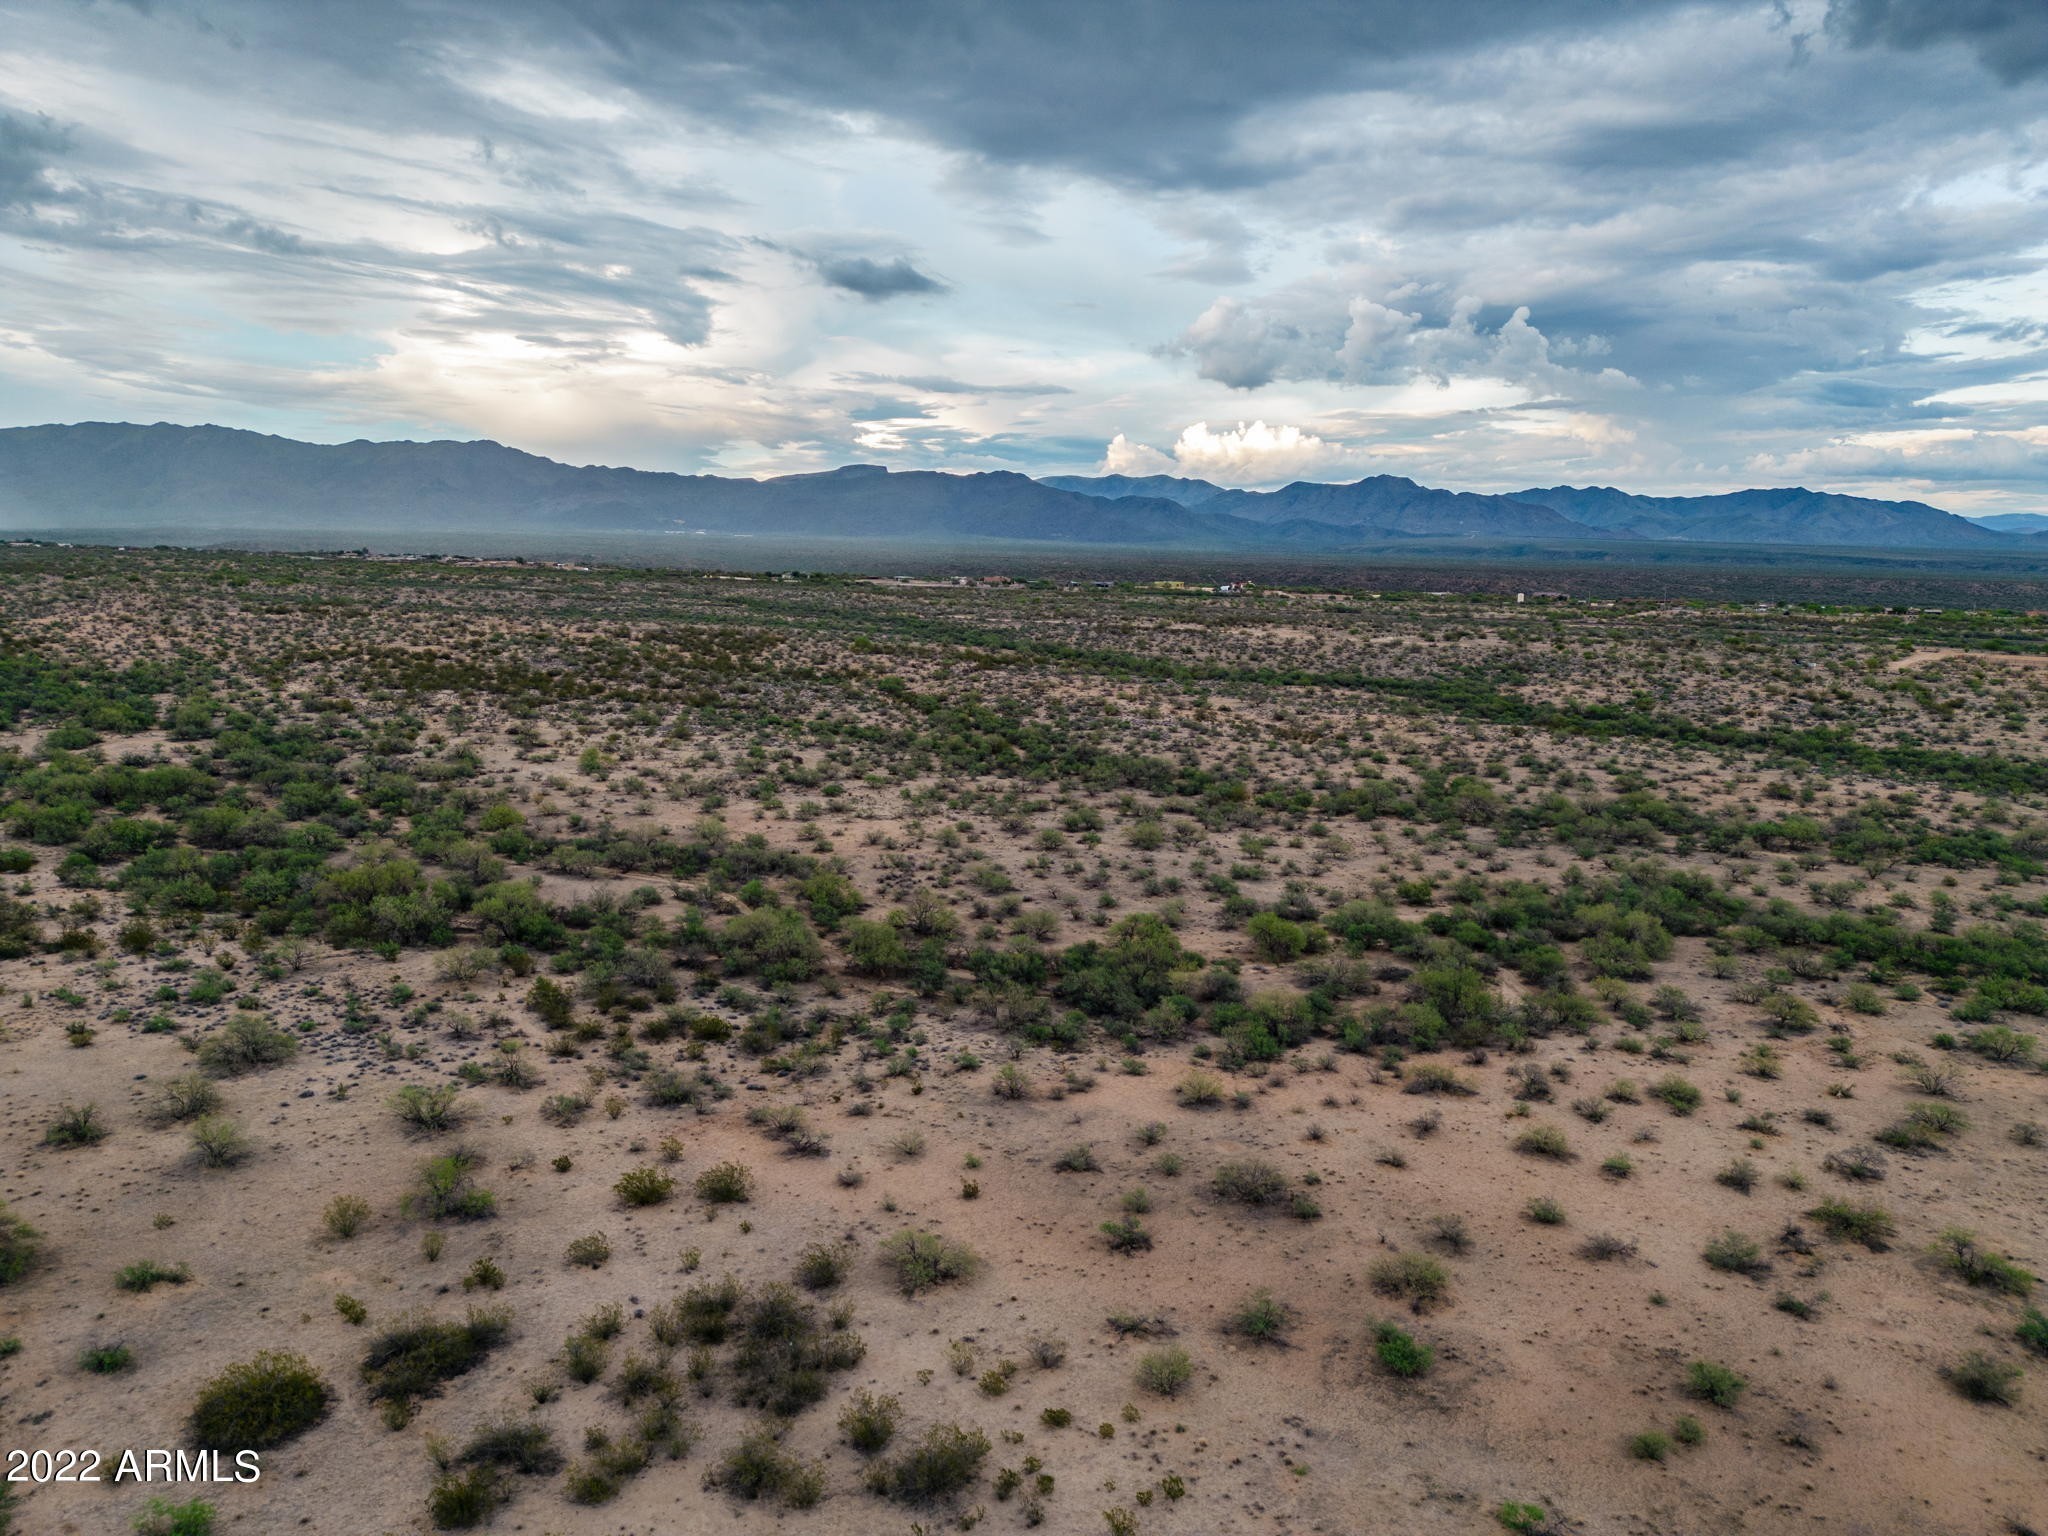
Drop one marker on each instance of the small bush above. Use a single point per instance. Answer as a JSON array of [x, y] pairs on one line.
[[2033, 1330], [184, 1097], [945, 1460], [461, 1501], [1650, 1445], [106, 1359], [1200, 1090], [219, 1142], [1714, 1383], [644, 1186], [1165, 1372], [1870, 1225], [1260, 1318], [1735, 1254], [1960, 1251], [821, 1266], [1984, 1380], [76, 1126], [725, 1184], [146, 1274], [259, 1403], [517, 1445], [1250, 1181], [1435, 1078], [244, 1044], [591, 1252], [920, 1260], [1544, 1211], [869, 1422], [1415, 1278], [1544, 1141], [20, 1247], [412, 1360], [1676, 1094], [1079, 1159], [1399, 1354], [1604, 1247], [428, 1111], [160, 1517], [760, 1468], [345, 1215]]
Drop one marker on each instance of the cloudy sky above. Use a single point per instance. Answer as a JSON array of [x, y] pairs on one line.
[[1486, 243]]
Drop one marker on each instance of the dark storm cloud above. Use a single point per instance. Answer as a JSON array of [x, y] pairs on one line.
[[875, 280], [2010, 37], [28, 145]]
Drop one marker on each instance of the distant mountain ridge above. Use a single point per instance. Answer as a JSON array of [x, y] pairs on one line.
[[106, 475]]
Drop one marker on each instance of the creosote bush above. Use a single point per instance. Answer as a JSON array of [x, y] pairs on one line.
[[919, 1260], [938, 1465], [259, 1403]]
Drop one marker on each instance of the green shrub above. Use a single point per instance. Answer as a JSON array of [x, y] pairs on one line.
[[461, 1501], [20, 1247], [1165, 1372], [1984, 1380], [1714, 1383], [160, 1517], [1676, 1094], [259, 1403], [822, 1266], [1412, 1277], [76, 1126], [514, 1444], [412, 1360], [1399, 1353], [1250, 1181], [243, 1044], [759, 1468], [428, 1111], [106, 1359], [1736, 1254], [1959, 1250], [1868, 1224], [1544, 1141], [920, 1260], [942, 1462], [869, 1422], [591, 1252], [1200, 1090], [184, 1097], [644, 1186], [1544, 1211], [1260, 1318], [145, 1274], [2033, 1330], [345, 1215], [446, 1188], [219, 1141], [725, 1184], [1650, 1445]]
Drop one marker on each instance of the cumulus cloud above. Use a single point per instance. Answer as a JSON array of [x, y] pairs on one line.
[[1250, 453], [1314, 332]]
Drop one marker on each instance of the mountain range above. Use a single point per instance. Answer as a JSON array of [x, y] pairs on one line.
[[107, 475]]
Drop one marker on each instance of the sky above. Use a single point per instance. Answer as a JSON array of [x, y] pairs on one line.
[[1488, 244]]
